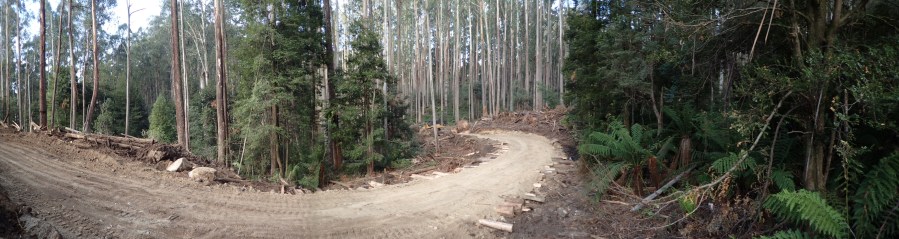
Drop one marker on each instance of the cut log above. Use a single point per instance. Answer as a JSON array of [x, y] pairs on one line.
[[515, 206], [496, 225], [533, 197], [35, 126], [505, 210]]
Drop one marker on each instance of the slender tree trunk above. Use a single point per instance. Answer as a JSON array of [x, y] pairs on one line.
[[335, 152], [221, 87], [58, 56], [19, 83], [72, 79], [472, 63], [128, 69], [176, 78], [527, 54], [538, 103], [90, 110], [43, 64], [562, 9], [457, 59], [6, 49], [185, 84]]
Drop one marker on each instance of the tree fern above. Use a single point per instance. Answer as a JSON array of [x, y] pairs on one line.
[[876, 197], [808, 208]]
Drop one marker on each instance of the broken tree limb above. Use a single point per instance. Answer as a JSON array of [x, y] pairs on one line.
[[658, 192], [496, 225]]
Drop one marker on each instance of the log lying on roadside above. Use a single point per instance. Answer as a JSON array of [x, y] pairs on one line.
[[496, 225], [125, 142]]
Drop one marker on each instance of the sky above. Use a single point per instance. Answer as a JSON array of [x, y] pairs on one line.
[[148, 9]]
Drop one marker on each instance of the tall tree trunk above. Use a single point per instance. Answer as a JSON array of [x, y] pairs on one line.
[[221, 87], [333, 145], [457, 62], [176, 78], [472, 63], [538, 77], [527, 53], [43, 64], [90, 110], [185, 84], [128, 69], [58, 55], [19, 91], [6, 49], [72, 79], [562, 10]]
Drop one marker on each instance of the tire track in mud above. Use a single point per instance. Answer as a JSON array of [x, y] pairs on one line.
[[100, 196]]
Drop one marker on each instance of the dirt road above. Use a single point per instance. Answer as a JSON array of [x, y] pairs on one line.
[[101, 196]]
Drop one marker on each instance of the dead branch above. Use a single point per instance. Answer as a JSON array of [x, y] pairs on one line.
[[660, 190]]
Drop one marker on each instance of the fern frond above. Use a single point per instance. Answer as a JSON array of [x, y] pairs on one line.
[[783, 180], [603, 176], [725, 163], [808, 208], [788, 234], [878, 193]]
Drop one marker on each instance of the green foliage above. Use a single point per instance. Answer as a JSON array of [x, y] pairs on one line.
[[877, 200], [203, 123], [787, 234], [783, 180], [810, 209], [106, 121], [162, 121], [372, 128]]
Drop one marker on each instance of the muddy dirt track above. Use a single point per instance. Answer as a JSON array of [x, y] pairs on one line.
[[103, 196]]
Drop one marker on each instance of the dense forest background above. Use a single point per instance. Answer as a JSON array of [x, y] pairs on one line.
[[791, 103]]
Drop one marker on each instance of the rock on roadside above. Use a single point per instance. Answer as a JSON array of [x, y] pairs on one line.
[[202, 174], [179, 165]]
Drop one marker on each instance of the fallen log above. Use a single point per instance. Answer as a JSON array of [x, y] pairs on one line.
[[496, 225], [505, 210], [421, 170], [108, 138], [35, 126]]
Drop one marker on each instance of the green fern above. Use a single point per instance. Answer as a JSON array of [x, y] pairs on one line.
[[603, 175], [876, 197], [788, 234], [808, 208], [783, 179], [724, 164]]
